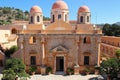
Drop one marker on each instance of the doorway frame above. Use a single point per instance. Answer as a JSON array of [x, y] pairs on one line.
[[63, 61]]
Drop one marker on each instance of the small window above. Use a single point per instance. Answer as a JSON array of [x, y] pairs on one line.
[[14, 31], [59, 16], [87, 40], [6, 35], [87, 18], [38, 19], [32, 40], [66, 17], [53, 18], [31, 20], [33, 60], [86, 60], [81, 19]]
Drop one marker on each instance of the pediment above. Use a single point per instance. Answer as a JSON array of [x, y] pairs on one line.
[[59, 25], [59, 49]]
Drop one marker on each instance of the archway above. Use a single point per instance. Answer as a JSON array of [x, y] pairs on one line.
[[14, 31]]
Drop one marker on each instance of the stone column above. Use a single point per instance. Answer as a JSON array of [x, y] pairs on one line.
[[43, 68], [77, 53], [43, 51], [98, 62], [76, 67]]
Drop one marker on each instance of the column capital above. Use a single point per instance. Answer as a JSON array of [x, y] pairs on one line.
[[43, 41]]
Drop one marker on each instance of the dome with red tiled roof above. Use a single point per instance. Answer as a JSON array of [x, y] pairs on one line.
[[83, 9], [35, 9], [59, 4]]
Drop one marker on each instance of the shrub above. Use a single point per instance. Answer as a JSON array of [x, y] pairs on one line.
[[33, 69], [87, 70], [48, 69], [70, 70]]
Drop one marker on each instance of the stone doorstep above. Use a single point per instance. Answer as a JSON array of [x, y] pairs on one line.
[[59, 73]]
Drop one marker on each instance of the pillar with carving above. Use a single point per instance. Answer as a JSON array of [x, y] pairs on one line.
[[76, 67], [43, 67]]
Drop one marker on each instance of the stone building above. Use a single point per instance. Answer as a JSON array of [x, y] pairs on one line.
[[59, 44], [108, 46]]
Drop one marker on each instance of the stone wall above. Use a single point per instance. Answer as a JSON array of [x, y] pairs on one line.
[[70, 46]]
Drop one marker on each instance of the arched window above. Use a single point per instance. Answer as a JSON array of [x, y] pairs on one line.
[[31, 19], [87, 40], [32, 40], [59, 16], [33, 60], [53, 18], [86, 60], [84, 40], [38, 19], [66, 17], [81, 19], [14, 31], [87, 18]]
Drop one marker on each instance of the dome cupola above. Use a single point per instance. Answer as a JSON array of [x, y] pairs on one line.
[[60, 11], [59, 4], [84, 15], [36, 16], [83, 9], [35, 9]]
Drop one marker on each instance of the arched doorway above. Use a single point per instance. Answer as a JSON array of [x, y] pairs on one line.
[[14, 31]]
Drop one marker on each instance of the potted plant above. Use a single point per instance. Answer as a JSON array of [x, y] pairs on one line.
[[33, 69], [87, 70], [49, 70], [70, 71]]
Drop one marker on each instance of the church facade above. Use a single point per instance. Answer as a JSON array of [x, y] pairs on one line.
[[60, 44]]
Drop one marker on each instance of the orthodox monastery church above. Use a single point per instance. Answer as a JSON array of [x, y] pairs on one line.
[[59, 43]]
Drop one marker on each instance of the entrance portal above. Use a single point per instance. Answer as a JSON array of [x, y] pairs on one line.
[[60, 63]]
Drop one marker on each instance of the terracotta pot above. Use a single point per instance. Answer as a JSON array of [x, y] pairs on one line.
[[16, 78], [70, 73], [96, 72], [87, 73], [49, 73], [33, 73]]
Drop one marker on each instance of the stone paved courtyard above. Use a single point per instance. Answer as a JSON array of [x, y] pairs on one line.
[[61, 77]]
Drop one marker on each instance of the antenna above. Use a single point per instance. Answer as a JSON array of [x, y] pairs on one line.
[[96, 18]]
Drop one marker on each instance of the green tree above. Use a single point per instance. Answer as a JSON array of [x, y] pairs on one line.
[[111, 67], [9, 14], [106, 29], [111, 30], [118, 54], [14, 67], [46, 18], [9, 52], [9, 74]]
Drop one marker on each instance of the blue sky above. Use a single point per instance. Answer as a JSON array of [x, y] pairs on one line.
[[103, 11]]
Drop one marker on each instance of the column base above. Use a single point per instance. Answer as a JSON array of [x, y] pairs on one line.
[[76, 69], [43, 70]]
